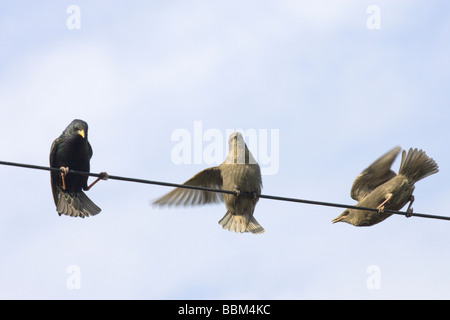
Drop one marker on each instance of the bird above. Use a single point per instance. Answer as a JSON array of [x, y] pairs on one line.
[[239, 173], [72, 151], [381, 188]]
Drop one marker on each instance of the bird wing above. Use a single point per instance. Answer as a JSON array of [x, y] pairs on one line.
[[54, 176], [375, 175], [208, 178], [90, 152]]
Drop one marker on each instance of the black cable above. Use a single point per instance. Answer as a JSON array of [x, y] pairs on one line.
[[249, 194]]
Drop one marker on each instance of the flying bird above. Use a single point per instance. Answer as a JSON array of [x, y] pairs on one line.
[[72, 151], [239, 173], [381, 188]]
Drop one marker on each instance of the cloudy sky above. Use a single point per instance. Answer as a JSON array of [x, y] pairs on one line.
[[334, 84]]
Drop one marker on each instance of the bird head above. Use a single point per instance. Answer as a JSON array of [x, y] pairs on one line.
[[77, 128], [344, 217], [238, 151]]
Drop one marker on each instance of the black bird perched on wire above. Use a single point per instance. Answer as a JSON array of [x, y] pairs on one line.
[[72, 151]]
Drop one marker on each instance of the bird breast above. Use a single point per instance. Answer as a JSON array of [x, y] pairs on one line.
[[243, 177]]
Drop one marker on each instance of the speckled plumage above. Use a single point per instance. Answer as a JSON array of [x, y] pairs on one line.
[[378, 183], [239, 172]]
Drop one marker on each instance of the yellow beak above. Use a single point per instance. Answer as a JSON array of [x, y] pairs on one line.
[[81, 133]]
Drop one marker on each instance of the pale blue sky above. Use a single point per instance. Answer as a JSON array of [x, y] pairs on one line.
[[339, 94]]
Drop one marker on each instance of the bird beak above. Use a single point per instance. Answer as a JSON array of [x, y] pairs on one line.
[[341, 217], [81, 133], [338, 219]]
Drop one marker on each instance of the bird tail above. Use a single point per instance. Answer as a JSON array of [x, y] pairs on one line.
[[416, 165], [240, 223], [76, 204]]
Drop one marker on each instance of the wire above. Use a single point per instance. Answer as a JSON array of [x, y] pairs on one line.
[[249, 194]]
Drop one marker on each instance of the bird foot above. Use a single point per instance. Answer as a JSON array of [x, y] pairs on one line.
[[103, 176], [64, 172], [381, 206], [238, 193], [409, 212]]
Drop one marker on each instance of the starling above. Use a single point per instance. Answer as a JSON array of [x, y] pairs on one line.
[[72, 151], [379, 187], [239, 173]]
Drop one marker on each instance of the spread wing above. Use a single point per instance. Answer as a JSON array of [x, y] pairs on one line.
[[375, 175], [208, 178]]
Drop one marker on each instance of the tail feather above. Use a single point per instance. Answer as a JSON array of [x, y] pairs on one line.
[[239, 223], [254, 226], [76, 204], [416, 165]]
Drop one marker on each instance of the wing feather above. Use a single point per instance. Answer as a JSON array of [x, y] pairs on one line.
[[208, 178], [375, 175]]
